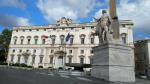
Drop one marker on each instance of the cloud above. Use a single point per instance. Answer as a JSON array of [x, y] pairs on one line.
[[9, 20], [13, 3], [74, 9], [136, 10]]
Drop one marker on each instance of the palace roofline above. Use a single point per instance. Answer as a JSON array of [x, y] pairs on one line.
[[142, 40], [68, 24]]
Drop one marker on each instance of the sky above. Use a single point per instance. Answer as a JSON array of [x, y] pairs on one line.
[[44, 12]]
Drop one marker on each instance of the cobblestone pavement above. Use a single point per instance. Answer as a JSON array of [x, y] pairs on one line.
[[27, 76]]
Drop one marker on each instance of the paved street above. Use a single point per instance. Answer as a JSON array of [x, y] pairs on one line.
[[20, 76], [17, 76]]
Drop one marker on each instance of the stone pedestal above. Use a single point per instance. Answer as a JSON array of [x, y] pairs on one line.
[[113, 62]]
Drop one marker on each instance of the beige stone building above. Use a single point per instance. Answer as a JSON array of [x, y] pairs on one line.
[[46, 46], [142, 57]]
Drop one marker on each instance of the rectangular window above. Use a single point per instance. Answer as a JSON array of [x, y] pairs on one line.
[[36, 41], [33, 59], [15, 41], [43, 41], [124, 40], [70, 59], [21, 41], [72, 28], [82, 40], [12, 58], [52, 51], [91, 60], [92, 40], [29, 41], [34, 51], [20, 50], [83, 27], [18, 59], [26, 59], [13, 50], [82, 52], [71, 40], [91, 51], [81, 60], [51, 60], [70, 51], [27, 50], [53, 41], [62, 40], [41, 59], [92, 27]]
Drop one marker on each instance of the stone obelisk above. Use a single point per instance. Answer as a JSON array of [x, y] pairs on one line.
[[113, 61], [114, 17]]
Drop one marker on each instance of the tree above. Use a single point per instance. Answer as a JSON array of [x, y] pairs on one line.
[[5, 38]]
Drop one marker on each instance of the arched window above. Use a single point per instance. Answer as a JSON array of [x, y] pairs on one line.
[[62, 37], [36, 39], [53, 37], [15, 39], [22, 39], [82, 37], [92, 39], [28, 39], [124, 38]]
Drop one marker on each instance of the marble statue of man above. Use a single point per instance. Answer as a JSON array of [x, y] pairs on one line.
[[103, 27]]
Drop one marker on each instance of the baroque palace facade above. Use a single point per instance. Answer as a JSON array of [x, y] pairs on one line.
[[46, 46]]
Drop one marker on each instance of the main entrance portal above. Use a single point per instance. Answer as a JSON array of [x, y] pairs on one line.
[[60, 61]]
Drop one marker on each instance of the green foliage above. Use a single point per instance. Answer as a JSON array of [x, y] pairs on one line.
[[29, 66], [40, 66], [23, 65], [5, 38], [3, 63]]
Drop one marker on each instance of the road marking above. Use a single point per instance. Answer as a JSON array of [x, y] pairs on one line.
[[50, 74], [43, 73], [85, 79], [64, 76]]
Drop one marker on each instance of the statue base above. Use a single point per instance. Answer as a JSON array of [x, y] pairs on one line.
[[113, 62]]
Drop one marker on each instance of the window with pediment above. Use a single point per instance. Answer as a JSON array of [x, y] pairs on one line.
[[92, 39], [71, 39], [28, 39], [124, 38], [53, 37], [62, 37], [21, 39], [81, 59], [15, 39], [36, 39], [82, 37]]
